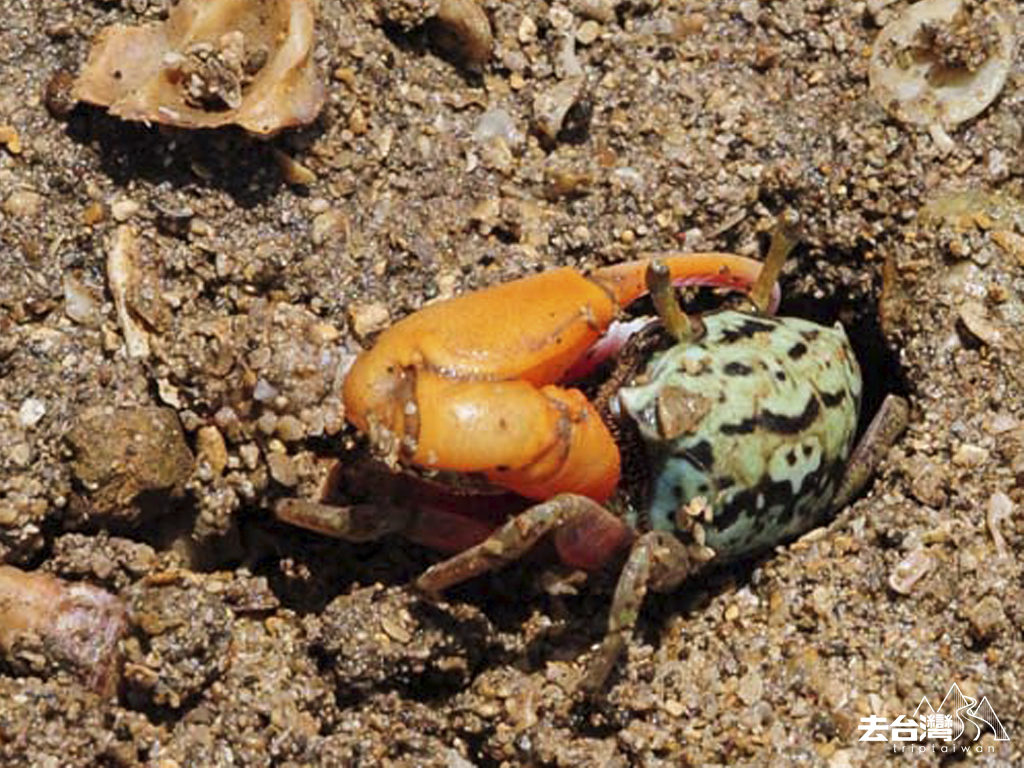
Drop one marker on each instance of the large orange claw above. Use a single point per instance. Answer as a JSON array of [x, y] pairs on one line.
[[469, 385]]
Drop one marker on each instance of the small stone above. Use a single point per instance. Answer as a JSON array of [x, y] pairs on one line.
[[968, 455], [31, 411], [986, 617], [282, 469], [120, 453], [551, 105], [1000, 508], [751, 687], [367, 319], [929, 482], [527, 32], [588, 32], [123, 209], [979, 323], [94, 213], [1011, 243], [329, 226], [250, 455], [10, 139], [292, 170], [598, 10], [20, 454], [290, 429], [23, 203], [211, 448], [910, 570]]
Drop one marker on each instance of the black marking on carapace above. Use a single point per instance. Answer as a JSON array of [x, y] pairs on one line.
[[791, 457], [746, 330], [832, 399], [790, 425], [780, 495], [776, 422], [744, 427], [701, 455], [737, 369], [810, 335], [780, 375], [797, 351]]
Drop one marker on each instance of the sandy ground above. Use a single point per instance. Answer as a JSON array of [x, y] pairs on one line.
[[151, 473]]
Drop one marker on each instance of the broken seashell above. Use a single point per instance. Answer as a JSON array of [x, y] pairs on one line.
[[212, 63], [940, 63]]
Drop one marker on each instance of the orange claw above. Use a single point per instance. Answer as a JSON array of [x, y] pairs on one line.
[[467, 385]]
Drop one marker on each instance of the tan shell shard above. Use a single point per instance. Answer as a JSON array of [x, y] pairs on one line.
[[942, 62], [212, 63]]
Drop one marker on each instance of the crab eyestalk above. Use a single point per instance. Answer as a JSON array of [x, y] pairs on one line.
[[785, 236], [659, 283]]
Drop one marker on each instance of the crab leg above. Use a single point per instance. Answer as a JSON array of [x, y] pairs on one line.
[[658, 561], [586, 535], [887, 425], [468, 385]]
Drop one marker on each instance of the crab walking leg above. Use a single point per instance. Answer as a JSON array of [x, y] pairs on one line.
[[358, 522], [435, 528], [657, 560], [887, 425], [510, 542]]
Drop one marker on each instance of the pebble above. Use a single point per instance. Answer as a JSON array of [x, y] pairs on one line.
[[597, 10], [588, 32], [910, 570], [527, 32], [968, 455], [292, 171], [551, 105], [1010, 242], [10, 139], [929, 482], [329, 226], [31, 412], [986, 617], [1000, 508], [367, 319], [123, 209], [211, 448], [282, 469], [23, 203], [289, 428], [250, 455], [750, 688], [496, 123]]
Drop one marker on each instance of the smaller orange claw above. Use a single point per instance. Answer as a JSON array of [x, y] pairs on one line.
[[467, 385], [627, 283]]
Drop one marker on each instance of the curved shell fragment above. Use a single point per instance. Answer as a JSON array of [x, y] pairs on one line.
[[940, 64], [212, 63]]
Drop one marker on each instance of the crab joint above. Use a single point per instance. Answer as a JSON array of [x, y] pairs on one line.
[[676, 322]]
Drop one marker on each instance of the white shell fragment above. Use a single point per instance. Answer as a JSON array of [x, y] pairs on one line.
[[123, 278], [212, 63], [940, 64]]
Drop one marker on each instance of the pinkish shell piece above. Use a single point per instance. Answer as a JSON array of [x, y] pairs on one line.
[[142, 73]]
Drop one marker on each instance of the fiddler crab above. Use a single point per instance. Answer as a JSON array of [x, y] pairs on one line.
[[713, 437]]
